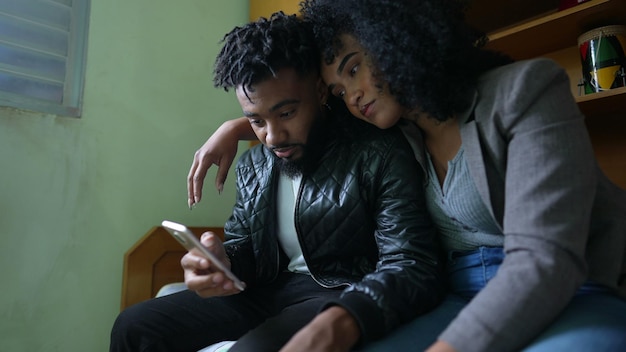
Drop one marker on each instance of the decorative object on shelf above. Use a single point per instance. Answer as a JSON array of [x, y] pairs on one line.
[[603, 56], [566, 4]]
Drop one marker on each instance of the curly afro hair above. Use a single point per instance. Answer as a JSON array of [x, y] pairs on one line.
[[423, 49], [258, 50]]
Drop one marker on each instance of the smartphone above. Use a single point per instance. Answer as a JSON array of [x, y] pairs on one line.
[[186, 238]]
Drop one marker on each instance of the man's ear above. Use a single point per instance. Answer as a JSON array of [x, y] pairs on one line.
[[322, 91]]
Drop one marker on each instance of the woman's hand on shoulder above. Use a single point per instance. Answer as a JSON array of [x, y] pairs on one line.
[[220, 149]]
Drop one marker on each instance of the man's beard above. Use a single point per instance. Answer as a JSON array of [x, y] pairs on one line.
[[291, 169], [311, 151]]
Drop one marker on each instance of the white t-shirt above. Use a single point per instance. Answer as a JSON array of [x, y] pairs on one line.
[[287, 236]]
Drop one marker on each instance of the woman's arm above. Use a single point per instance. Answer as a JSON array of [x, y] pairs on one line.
[[549, 187], [220, 149]]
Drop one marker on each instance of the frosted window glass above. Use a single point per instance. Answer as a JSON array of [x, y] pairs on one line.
[[42, 54]]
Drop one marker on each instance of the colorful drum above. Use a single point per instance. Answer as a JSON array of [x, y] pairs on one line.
[[603, 56]]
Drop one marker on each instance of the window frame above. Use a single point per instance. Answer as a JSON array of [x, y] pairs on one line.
[[73, 84]]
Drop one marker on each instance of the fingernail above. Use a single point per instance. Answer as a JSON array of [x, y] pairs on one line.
[[205, 236], [196, 199], [220, 188]]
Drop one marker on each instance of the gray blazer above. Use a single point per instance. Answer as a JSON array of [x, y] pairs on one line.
[[564, 222]]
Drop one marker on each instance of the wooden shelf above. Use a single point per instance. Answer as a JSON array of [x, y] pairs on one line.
[[610, 102], [265, 8], [556, 30], [492, 15], [535, 28]]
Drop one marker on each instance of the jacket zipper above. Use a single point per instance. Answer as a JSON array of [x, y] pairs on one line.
[[304, 254]]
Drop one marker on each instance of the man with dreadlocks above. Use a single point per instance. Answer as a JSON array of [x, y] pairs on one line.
[[329, 231]]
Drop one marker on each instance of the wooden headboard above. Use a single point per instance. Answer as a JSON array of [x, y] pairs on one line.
[[154, 261]]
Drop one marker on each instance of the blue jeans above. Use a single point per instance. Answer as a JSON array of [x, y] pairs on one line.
[[595, 320]]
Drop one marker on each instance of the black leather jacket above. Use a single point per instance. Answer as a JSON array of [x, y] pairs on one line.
[[361, 221]]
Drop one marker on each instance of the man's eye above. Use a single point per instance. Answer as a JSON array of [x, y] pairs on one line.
[[286, 114], [256, 122]]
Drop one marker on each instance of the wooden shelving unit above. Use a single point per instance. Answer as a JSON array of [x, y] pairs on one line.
[[265, 8], [556, 30], [546, 32]]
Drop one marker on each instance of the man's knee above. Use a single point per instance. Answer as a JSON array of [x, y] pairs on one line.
[[123, 331]]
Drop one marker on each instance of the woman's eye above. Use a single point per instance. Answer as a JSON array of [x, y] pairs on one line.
[[354, 70]]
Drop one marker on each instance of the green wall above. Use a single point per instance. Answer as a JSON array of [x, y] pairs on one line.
[[75, 194]]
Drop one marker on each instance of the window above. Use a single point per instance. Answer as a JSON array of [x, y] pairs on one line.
[[42, 54]]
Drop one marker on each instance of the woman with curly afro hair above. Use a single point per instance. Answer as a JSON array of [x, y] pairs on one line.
[[534, 233]]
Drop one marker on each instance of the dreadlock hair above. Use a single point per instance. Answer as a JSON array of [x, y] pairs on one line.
[[258, 50], [424, 50]]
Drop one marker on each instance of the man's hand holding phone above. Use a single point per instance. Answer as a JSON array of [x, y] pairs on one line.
[[204, 276], [206, 265]]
